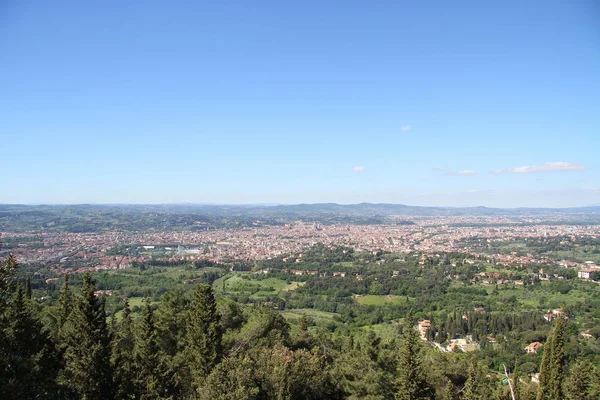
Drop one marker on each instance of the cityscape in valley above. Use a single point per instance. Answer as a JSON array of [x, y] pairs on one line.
[[488, 289], [491, 282], [477, 236]]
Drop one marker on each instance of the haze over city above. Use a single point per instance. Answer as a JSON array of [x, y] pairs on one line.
[[270, 102]]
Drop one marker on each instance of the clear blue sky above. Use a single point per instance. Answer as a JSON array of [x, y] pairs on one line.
[[422, 102]]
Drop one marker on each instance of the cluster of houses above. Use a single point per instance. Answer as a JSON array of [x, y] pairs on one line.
[[467, 344], [302, 272], [589, 271], [494, 278]]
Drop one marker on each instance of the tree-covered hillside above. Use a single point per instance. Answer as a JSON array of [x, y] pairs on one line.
[[337, 324]]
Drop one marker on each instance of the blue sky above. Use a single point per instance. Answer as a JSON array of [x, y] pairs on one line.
[[457, 103]]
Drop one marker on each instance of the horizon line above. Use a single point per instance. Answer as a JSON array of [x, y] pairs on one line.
[[290, 204]]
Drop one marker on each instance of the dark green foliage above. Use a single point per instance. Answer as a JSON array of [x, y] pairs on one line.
[[411, 383], [516, 381], [273, 373], [265, 327], [87, 347], [29, 358], [449, 391], [171, 320], [557, 360], [28, 288], [153, 376], [203, 337], [545, 372], [65, 302], [241, 346], [578, 384], [8, 268], [473, 389], [501, 392], [233, 379], [553, 364], [122, 358]]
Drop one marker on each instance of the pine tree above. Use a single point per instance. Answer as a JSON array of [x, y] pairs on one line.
[[153, 375], [170, 322], [87, 347], [171, 317], [203, 339], [579, 381], [122, 359], [410, 382], [29, 356]]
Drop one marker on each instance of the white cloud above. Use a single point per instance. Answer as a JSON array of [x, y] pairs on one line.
[[546, 167], [464, 172], [473, 191], [358, 168], [405, 128]]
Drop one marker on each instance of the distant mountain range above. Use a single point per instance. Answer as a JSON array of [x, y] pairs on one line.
[[299, 210], [198, 217]]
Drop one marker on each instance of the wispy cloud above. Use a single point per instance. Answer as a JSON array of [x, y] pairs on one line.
[[405, 128], [473, 191], [545, 167], [359, 168], [464, 172]]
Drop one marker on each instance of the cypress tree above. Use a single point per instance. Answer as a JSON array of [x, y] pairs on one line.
[[557, 360], [304, 323], [65, 302], [87, 347], [203, 336], [28, 288], [410, 381], [553, 362], [516, 381], [472, 390], [545, 372]]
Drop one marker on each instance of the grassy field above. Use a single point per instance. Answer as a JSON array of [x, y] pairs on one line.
[[345, 264], [386, 331], [315, 314], [242, 283], [133, 302], [373, 300], [545, 298]]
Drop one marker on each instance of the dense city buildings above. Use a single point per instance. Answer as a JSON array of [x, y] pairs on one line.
[[76, 252]]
